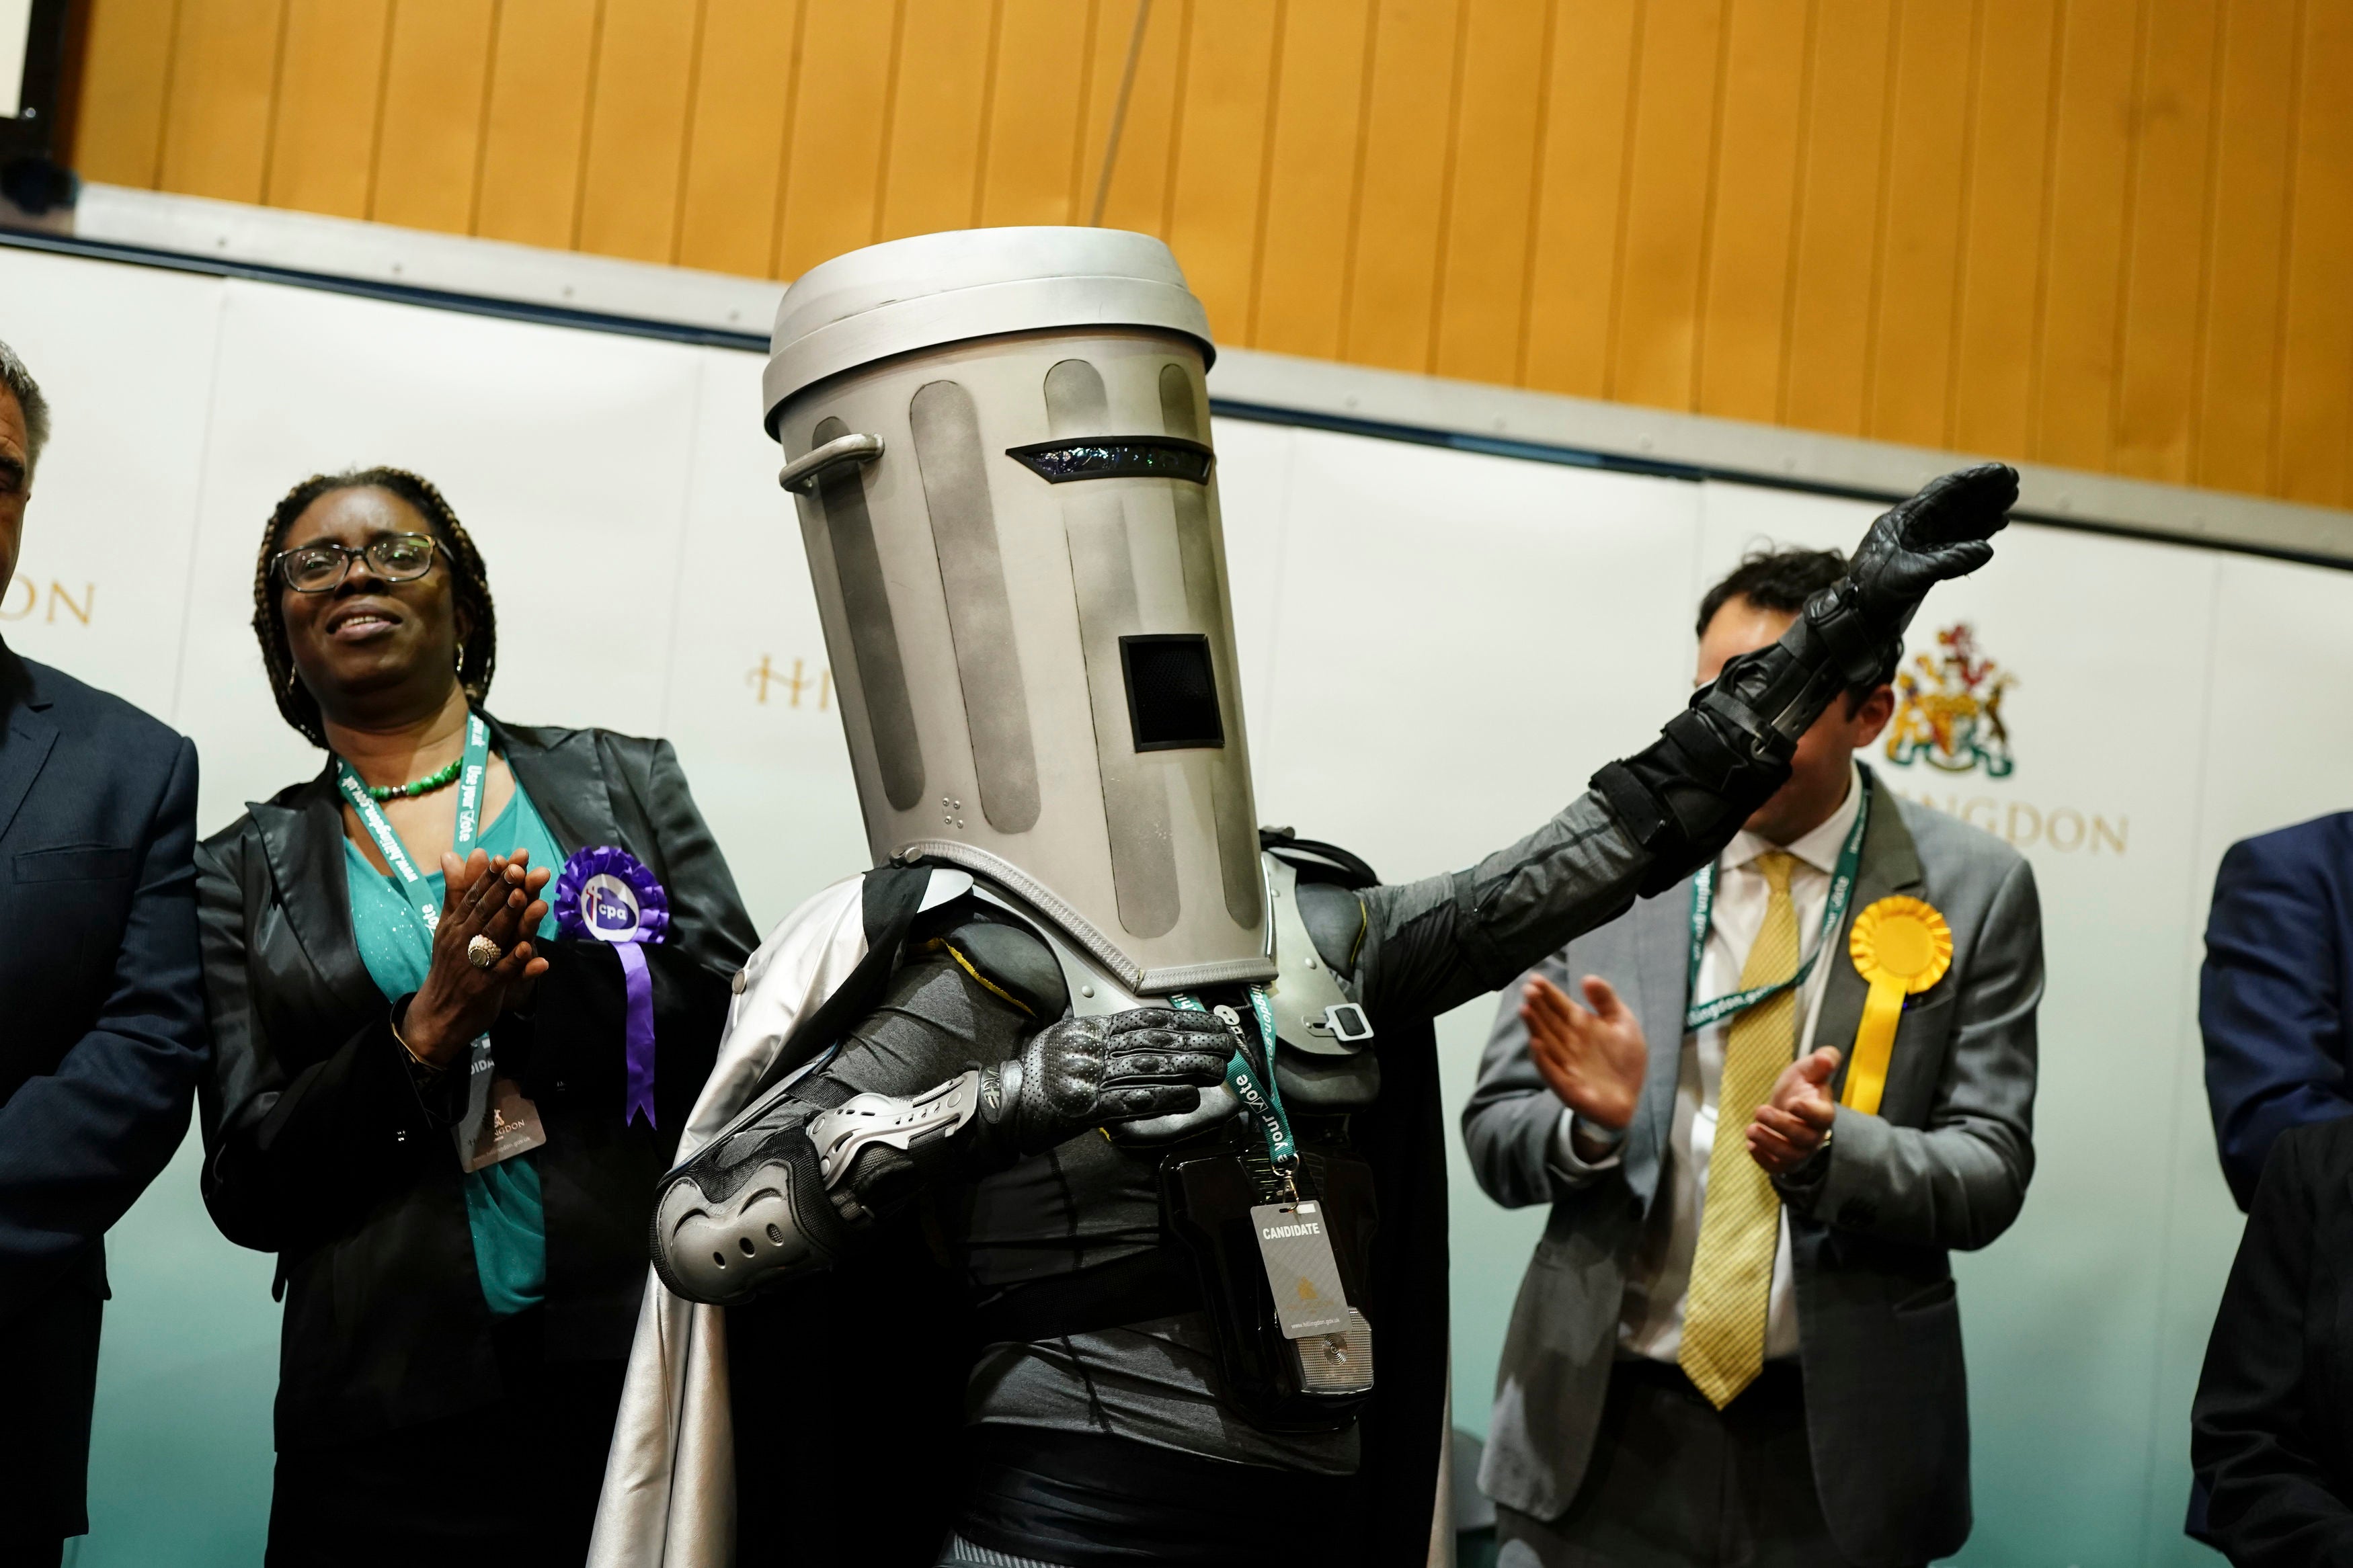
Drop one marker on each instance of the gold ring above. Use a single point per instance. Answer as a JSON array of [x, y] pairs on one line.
[[483, 954]]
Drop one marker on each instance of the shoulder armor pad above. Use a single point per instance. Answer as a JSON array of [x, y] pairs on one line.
[[1334, 919], [1313, 1009], [1011, 964], [1329, 879]]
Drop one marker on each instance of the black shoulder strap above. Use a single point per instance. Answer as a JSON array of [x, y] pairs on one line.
[[1316, 861], [891, 896]]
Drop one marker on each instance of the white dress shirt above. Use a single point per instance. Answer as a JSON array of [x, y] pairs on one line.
[[1658, 1277]]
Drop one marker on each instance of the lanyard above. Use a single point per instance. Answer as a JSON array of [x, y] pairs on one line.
[[1264, 1101], [476, 1149], [379, 828], [1699, 1014]]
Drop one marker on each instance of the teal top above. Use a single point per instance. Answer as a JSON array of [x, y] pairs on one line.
[[503, 1209]]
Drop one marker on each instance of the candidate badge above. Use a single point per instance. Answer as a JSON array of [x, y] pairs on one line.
[[607, 895], [1901, 947], [1301, 1270]]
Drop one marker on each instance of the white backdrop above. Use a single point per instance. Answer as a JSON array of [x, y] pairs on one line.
[[1437, 649]]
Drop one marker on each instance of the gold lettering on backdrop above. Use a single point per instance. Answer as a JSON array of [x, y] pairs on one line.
[[766, 674], [58, 596], [23, 596], [2061, 829]]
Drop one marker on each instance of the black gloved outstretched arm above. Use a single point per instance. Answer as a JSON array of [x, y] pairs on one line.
[[1416, 949], [1718, 761]]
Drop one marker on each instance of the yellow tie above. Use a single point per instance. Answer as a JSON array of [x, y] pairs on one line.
[[1740, 1221]]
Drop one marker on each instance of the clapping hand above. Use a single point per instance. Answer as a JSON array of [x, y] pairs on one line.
[[1592, 1058], [1790, 1126], [482, 896]]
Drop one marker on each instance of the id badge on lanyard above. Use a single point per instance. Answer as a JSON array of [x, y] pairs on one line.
[[499, 1123], [1294, 1242]]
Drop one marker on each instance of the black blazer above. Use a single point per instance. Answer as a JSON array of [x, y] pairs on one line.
[[102, 1042], [2271, 1427], [320, 1148]]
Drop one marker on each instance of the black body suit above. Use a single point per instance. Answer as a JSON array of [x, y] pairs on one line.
[[1052, 1417], [1103, 1437]]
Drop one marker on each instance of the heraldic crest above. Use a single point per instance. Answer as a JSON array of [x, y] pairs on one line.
[[1948, 709]]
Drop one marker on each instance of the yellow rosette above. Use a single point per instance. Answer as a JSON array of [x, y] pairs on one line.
[[1901, 947]]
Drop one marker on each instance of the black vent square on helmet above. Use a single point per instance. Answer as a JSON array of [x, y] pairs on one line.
[[1172, 692]]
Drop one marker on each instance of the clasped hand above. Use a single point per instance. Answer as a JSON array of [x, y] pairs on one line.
[[1791, 1124], [484, 895], [1594, 1058], [1083, 1072]]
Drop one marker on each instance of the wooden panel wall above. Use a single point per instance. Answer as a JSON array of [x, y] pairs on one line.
[[2116, 235]]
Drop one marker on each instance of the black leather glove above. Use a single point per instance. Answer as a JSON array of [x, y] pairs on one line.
[[1083, 1072], [1686, 795], [1915, 544]]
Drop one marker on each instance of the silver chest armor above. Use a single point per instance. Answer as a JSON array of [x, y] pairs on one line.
[[1324, 1064]]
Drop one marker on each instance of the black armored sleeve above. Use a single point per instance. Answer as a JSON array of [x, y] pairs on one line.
[[1416, 949], [963, 1001], [1653, 818]]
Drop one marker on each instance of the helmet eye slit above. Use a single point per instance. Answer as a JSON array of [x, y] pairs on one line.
[[1116, 457]]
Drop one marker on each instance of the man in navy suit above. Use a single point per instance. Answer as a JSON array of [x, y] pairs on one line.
[[2271, 999], [2271, 1006], [102, 1019]]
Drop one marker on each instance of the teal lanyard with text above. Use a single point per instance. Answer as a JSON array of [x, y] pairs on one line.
[[1699, 1014], [1264, 1101], [405, 871]]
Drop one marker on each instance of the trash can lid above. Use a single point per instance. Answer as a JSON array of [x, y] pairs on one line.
[[932, 289]]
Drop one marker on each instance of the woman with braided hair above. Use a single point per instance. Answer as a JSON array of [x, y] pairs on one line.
[[440, 1102]]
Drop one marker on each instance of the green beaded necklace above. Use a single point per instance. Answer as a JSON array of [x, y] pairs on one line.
[[425, 786]]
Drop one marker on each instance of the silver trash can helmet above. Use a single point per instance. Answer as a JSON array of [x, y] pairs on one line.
[[998, 441]]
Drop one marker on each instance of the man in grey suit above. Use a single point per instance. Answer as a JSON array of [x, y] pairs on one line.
[[1737, 1342]]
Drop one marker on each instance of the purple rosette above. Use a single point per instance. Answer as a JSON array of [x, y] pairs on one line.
[[605, 894]]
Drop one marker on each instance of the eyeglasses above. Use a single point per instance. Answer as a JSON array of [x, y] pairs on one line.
[[315, 568]]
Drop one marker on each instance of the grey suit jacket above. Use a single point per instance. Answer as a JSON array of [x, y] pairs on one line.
[[1944, 1164]]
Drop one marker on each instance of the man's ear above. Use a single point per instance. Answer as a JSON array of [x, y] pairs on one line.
[[1871, 714]]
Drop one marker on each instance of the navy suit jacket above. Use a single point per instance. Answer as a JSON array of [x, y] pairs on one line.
[[2271, 999], [102, 1044]]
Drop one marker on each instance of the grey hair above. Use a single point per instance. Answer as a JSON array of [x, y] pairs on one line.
[[27, 393]]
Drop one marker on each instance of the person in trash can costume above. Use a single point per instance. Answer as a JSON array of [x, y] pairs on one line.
[[1161, 1082]]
